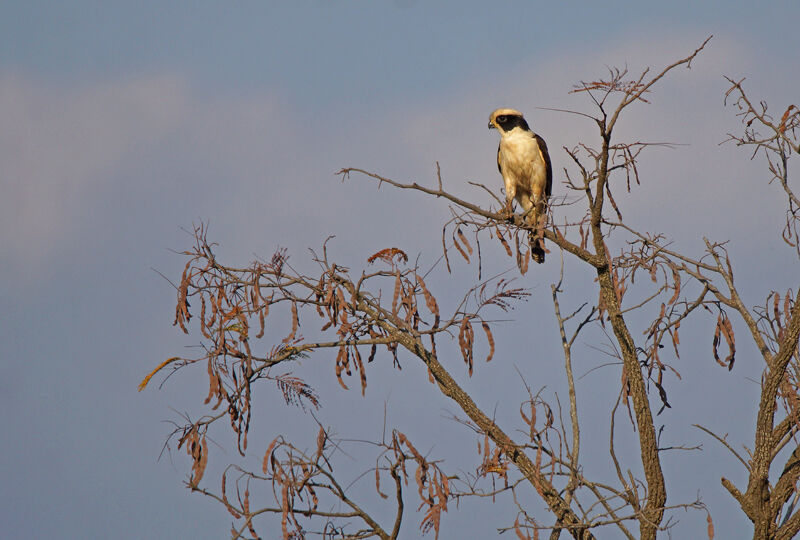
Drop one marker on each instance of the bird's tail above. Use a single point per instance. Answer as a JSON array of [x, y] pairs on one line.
[[537, 251], [536, 236]]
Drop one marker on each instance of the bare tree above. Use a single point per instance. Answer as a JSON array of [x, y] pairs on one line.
[[388, 309]]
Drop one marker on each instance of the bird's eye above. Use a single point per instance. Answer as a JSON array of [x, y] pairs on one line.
[[501, 119]]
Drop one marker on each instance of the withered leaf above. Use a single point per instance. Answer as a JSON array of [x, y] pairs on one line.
[[430, 301], [490, 338], [295, 324], [398, 287], [268, 455], [464, 240], [503, 241], [460, 249]]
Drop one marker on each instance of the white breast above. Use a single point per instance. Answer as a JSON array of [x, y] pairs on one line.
[[522, 164]]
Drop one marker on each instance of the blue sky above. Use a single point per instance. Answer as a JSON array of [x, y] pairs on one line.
[[123, 123]]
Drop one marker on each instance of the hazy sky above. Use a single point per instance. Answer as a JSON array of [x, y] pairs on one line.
[[124, 123]]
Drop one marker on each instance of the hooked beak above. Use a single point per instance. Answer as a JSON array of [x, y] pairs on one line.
[[492, 126]]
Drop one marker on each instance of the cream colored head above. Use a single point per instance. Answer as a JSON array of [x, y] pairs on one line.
[[505, 120]]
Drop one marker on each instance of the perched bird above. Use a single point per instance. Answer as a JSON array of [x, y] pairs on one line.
[[524, 163]]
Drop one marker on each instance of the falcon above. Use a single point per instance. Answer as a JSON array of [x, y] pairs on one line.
[[524, 163]]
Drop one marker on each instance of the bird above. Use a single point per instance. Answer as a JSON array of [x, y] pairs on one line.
[[524, 164]]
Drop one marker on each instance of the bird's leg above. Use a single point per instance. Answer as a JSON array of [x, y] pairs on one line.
[[508, 210], [511, 194], [538, 206], [529, 209]]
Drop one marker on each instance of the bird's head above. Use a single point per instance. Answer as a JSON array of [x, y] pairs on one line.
[[504, 120]]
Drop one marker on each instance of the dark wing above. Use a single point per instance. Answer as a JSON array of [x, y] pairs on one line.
[[498, 159], [548, 188]]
